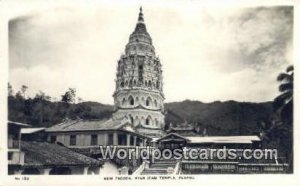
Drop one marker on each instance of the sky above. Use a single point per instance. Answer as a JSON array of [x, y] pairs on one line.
[[207, 53]]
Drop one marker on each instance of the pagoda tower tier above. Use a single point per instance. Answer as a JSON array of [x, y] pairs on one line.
[[138, 95]]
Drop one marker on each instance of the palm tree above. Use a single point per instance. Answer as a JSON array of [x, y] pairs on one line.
[[283, 104], [272, 130]]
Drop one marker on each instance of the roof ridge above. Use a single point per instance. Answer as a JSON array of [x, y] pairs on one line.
[[72, 123]]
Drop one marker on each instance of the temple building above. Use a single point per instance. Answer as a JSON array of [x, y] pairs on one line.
[[84, 135], [72, 146], [138, 95], [35, 157]]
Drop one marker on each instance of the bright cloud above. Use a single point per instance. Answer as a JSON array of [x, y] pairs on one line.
[[207, 54]]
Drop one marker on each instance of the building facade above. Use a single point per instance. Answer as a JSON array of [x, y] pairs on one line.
[[15, 154], [90, 134], [139, 88]]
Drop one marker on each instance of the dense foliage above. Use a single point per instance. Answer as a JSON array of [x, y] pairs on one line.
[[40, 111], [219, 118]]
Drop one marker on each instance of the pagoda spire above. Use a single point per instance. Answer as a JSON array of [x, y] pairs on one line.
[[140, 26], [141, 16]]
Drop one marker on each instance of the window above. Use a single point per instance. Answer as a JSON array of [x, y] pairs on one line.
[[131, 140], [148, 101], [73, 140], [52, 139], [156, 122], [10, 155], [94, 139], [121, 139], [110, 139], [140, 67], [131, 119], [131, 100], [149, 120], [123, 102]]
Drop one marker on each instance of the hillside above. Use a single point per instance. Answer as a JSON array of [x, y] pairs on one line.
[[219, 118]]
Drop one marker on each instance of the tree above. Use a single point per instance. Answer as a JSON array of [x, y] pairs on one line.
[[42, 96], [10, 90], [23, 90], [283, 104], [80, 100], [69, 96], [19, 95]]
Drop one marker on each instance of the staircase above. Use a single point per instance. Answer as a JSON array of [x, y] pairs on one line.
[[160, 167]]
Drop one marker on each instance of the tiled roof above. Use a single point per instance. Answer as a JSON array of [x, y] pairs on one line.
[[185, 133], [49, 154], [166, 137], [86, 125]]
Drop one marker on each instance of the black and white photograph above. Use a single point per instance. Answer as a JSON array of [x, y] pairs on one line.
[[141, 90]]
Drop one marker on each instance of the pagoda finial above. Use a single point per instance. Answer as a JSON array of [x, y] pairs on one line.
[[141, 16]]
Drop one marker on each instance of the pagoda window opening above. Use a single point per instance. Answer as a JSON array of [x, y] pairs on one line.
[[141, 71], [155, 103], [131, 59], [140, 67], [148, 101], [131, 100], [122, 84], [123, 102], [148, 120], [156, 122], [131, 119], [157, 85], [149, 83], [130, 83]]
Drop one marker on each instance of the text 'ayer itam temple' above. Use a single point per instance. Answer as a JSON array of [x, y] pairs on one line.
[[72, 147]]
